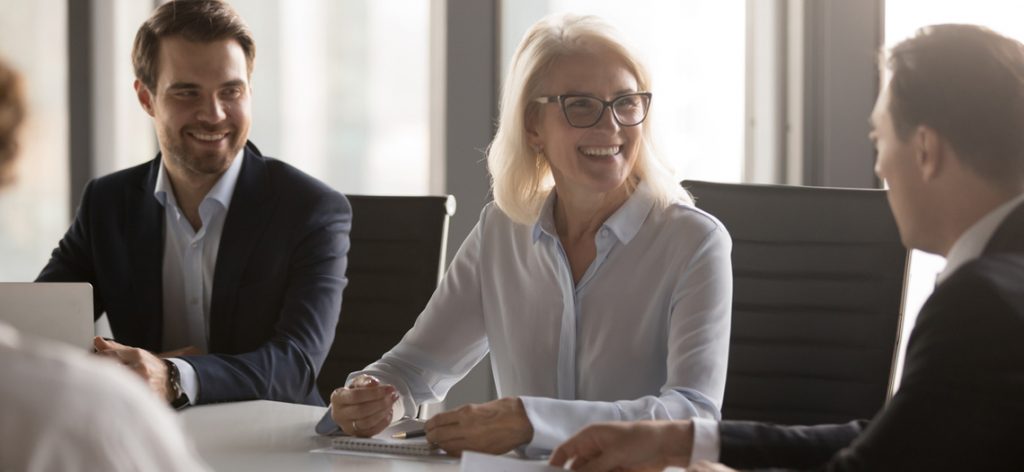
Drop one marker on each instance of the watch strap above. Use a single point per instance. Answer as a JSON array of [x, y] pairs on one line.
[[174, 384]]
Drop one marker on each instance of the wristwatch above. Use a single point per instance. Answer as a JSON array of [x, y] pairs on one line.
[[174, 385]]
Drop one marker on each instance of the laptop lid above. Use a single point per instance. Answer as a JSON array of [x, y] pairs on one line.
[[59, 311]]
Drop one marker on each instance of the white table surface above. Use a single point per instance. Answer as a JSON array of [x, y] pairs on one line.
[[271, 436]]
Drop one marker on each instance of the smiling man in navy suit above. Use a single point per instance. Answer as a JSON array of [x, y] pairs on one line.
[[220, 270], [949, 129]]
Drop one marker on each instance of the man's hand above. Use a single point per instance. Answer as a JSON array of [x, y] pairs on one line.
[[150, 367], [495, 427], [632, 446], [364, 408]]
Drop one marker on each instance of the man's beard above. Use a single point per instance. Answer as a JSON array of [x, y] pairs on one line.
[[199, 161]]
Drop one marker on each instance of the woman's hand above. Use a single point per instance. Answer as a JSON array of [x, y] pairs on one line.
[[364, 408], [495, 427], [628, 446]]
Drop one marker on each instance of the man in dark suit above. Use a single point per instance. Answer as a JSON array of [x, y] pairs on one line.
[[948, 131], [220, 270]]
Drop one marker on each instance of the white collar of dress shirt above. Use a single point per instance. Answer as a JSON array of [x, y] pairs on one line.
[[624, 223], [221, 192], [972, 242]]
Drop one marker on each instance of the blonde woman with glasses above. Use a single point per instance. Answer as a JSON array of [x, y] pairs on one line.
[[597, 287]]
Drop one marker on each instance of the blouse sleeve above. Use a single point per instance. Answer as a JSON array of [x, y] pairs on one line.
[[448, 338]]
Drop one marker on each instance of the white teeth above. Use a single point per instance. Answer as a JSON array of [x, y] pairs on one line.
[[601, 151], [208, 136]]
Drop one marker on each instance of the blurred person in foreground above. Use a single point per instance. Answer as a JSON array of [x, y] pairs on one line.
[[61, 409], [948, 133]]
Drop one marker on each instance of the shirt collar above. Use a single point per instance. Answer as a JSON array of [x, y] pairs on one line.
[[624, 223], [221, 192], [972, 242]]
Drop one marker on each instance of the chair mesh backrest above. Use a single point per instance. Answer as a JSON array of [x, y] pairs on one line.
[[819, 277], [394, 264]]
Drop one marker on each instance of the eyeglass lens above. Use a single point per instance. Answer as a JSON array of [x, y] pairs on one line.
[[629, 110]]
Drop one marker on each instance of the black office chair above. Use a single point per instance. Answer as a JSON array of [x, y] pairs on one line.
[[819, 276], [394, 264]]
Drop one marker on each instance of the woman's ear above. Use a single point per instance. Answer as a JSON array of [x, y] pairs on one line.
[[532, 125]]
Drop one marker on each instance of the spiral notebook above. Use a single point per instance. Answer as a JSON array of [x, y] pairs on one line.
[[383, 445]]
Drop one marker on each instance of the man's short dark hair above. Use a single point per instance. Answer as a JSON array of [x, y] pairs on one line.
[[12, 113], [194, 20], [967, 83]]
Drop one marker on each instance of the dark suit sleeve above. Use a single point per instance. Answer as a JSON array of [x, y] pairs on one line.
[[285, 367], [747, 444], [959, 404], [72, 260]]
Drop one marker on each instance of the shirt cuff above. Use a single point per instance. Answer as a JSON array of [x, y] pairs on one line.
[[706, 441], [555, 420], [189, 379]]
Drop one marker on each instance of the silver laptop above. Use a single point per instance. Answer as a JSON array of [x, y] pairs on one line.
[[57, 311]]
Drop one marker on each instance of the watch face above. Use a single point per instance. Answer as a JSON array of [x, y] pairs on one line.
[[180, 402]]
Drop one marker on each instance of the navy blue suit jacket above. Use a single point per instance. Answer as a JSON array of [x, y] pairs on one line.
[[960, 405], [277, 284]]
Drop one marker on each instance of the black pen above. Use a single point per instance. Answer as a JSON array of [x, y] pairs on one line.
[[410, 434]]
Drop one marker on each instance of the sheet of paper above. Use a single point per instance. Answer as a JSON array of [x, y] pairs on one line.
[[379, 455], [476, 462]]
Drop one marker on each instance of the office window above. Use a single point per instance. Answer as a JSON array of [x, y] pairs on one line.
[[902, 19], [341, 90], [122, 132], [696, 53], [33, 38]]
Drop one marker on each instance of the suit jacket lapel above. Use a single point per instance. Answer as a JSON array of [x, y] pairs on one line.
[[1009, 237], [144, 236], [245, 221]]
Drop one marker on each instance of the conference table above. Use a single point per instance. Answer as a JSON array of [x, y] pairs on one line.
[[272, 436], [263, 435]]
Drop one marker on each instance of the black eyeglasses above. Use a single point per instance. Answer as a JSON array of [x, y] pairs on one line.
[[584, 111]]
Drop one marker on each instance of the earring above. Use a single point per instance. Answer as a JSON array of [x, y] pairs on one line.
[[538, 149]]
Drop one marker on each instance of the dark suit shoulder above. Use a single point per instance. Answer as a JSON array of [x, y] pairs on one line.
[[983, 297], [300, 201], [1002, 274]]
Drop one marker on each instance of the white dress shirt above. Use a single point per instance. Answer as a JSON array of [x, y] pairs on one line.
[[190, 259], [969, 246], [644, 335], [65, 410]]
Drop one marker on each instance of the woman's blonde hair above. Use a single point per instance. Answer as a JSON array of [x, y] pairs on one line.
[[520, 178]]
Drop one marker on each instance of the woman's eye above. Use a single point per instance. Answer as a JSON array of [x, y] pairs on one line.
[[580, 104]]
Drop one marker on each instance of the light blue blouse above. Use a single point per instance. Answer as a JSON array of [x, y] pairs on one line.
[[644, 335]]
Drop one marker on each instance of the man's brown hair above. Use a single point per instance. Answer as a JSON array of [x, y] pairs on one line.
[[967, 83], [194, 20], [12, 113]]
